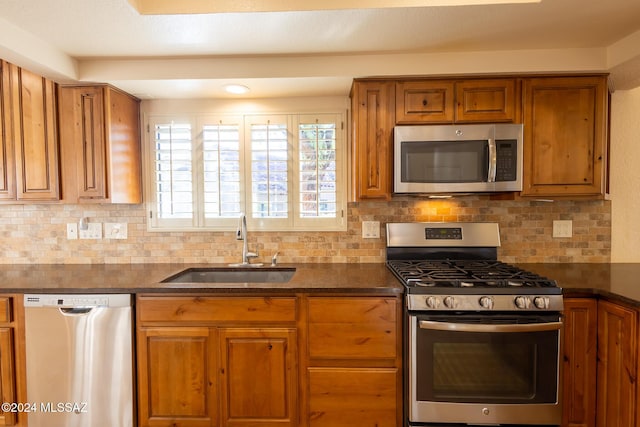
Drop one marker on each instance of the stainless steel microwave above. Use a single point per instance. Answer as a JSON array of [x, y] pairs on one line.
[[444, 159]]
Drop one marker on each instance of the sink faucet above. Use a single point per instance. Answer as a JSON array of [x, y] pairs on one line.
[[241, 234]]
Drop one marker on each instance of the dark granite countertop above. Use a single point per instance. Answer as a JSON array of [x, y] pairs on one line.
[[620, 282], [147, 278]]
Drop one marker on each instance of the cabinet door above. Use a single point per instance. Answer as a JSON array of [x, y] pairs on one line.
[[486, 101], [420, 102], [100, 145], [7, 374], [565, 136], [36, 145], [346, 397], [258, 377], [82, 141], [617, 365], [579, 362], [373, 112], [124, 147], [177, 377], [7, 159]]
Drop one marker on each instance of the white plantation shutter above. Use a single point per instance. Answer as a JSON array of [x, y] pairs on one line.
[[269, 147], [318, 169], [222, 171], [286, 172], [173, 171]]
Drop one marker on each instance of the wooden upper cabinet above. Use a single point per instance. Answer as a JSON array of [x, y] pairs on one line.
[[487, 101], [428, 101], [7, 158], [565, 136], [457, 101], [29, 160], [373, 110], [100, 145]]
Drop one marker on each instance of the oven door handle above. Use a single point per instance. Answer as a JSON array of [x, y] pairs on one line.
[[474, 327]]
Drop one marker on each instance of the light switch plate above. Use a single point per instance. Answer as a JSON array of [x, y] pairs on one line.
[[93, 231], [563, 228], [115, 230], [72, 231], [370, 229]]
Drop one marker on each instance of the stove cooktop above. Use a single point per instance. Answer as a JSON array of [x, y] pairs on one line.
[[469, 277]]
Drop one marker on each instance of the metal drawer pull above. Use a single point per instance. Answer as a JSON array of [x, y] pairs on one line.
[[467, 327]]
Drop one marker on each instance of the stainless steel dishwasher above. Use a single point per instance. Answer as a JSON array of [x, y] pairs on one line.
[[79, 360]]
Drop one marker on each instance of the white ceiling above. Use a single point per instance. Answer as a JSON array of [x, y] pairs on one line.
[[313, 52]]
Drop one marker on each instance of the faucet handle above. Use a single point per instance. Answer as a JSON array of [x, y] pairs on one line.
[[252, 254]]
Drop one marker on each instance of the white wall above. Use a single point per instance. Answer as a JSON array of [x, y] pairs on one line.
[[625, 176]]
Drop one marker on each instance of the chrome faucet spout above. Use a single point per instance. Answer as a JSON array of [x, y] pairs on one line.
[[241, 234]]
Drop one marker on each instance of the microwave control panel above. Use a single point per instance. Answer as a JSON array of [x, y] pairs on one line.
[[506, 160]]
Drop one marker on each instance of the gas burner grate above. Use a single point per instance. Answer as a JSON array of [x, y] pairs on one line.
[[465, 274]]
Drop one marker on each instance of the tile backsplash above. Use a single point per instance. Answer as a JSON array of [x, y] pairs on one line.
[[37, 233]]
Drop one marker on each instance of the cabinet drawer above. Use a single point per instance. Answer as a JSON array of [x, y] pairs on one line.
[[352, 328], [5, 310], [216, 309], [353, 397]]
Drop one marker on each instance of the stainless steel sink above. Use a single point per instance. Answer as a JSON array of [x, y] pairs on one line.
[[233, 275]]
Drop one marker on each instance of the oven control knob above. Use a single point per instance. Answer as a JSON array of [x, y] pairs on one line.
[[450, 302], [522, 302], [432, 302], [486, 302], [541, 302]]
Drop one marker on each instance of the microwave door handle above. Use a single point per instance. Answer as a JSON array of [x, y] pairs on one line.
[[468, 327], [491, 176]]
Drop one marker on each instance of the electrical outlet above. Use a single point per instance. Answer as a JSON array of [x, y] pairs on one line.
[[72, 231], [370, 229], [562, 228], [115, 230], [93, 231]]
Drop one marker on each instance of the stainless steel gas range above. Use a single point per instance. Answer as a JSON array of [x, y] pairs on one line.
[[482, 337]]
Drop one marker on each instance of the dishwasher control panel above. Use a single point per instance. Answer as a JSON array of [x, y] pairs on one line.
[[70, 300]]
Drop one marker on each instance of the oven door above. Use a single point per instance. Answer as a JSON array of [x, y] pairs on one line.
[[484, 369]]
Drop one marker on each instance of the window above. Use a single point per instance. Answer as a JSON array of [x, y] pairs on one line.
[[286, 172]]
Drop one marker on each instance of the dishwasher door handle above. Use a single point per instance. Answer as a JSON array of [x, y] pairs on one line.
[[75, 311]]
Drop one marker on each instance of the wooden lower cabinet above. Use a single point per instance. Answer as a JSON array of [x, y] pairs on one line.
[[600, 364], [177, 376], [285, 361], [7, 374], [258, 377], [346, 397], [202, 363], [12, 358], [617, 365], [353, 361], [579, 362]]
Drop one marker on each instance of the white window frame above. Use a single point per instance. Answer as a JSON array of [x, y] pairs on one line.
[[293, 222]]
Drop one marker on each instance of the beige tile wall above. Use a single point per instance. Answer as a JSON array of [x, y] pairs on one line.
[[37, 234]]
